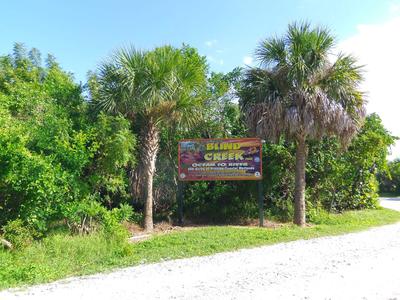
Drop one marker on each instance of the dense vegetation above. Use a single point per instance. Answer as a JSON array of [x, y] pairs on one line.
[[86, 158], [389, 179]]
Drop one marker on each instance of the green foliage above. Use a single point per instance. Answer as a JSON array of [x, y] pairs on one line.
[[19, 235], [220, 202], [162, 86], [51, 151], [61, 159], [89, 216], [114, 153], [389, 180], [278, 172], [341, 180], [157, 90], [221, 117], [337, 180], [60, 255]]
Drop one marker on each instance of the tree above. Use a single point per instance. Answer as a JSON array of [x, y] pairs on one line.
[[153, 89], [389, 181], [51, 152], [40, 153], [338, 180], [299, 93]]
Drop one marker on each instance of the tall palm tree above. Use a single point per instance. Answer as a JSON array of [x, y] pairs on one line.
[[162, 87], [302, 91]]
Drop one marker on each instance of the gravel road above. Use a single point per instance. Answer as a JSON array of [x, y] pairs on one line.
[[363, 265]]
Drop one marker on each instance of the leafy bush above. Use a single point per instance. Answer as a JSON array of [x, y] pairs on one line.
[[89, 216], [220, 202], [341, 180], [389, 180], [18, 234], [52, 150], [278, 172]]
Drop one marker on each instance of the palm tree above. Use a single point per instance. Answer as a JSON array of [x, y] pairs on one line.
[[153, 89], [301, 91]]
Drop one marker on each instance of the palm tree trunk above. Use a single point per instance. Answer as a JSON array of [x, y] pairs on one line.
[[300, 181], [149, 149]]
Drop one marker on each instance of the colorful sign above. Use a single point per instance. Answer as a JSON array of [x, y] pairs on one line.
[[220, 159]]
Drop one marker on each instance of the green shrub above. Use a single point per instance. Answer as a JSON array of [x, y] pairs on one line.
[[53, 150], [18, 234], [123, 213], [89, 216], [220, 202], [389, 180]]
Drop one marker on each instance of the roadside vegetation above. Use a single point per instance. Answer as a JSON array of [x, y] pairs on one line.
[[81, 162], [389, 180], [60, 255]]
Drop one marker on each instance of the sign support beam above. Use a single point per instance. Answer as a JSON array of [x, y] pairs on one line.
[[260, 203], [180, 202]]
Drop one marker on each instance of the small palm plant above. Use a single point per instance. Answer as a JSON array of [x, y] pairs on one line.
[[302, 92]]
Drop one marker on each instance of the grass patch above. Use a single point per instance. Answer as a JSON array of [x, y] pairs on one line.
[[61, 255]]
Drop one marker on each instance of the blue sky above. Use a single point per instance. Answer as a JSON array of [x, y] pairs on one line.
[[82, 33]]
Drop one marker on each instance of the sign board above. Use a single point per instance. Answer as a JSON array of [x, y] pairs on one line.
[[220, 159]]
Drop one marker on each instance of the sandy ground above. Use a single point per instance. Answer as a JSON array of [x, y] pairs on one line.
[[363, 265]]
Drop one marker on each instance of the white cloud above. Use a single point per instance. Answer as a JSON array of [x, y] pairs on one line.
[[394, 8], [211, 43], [247, 60], [210, 58], [377, 46], [215, 60]]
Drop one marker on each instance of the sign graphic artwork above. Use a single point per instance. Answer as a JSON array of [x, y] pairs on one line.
[[220, 159]]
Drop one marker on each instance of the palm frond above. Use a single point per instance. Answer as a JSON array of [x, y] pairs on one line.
[[303, 94], [155, 85]]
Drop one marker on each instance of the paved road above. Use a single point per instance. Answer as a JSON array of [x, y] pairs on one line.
[[392, 203], [363, 265]]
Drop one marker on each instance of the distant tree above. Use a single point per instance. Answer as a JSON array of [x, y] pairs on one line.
[[51, 61], [389, 181], [19, 52], [154, 90], [35, 57], [301, 94]]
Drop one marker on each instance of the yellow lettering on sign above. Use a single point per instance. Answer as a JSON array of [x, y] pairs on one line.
[[226, 155], [222, 146], [208, 156]]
